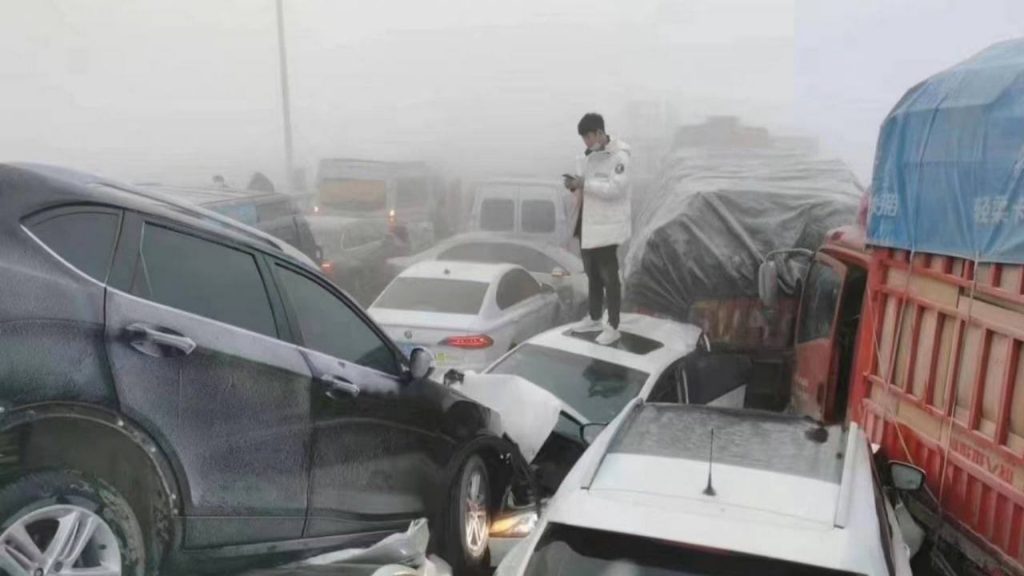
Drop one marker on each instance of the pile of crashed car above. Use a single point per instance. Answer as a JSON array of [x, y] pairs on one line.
[[209, 398], [182, 391]]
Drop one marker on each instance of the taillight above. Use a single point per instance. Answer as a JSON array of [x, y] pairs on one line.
[[476, 342]]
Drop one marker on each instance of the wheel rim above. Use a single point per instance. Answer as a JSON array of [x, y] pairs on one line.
[[475, 518], [62, 540]]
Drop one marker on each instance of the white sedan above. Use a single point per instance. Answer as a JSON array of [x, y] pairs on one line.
[[673, 490], [468, 314], [549, 263]]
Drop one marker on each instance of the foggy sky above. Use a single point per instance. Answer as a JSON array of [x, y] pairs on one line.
[[177, 91]]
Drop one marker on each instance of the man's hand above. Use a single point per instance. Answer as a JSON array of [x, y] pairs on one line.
[[572, 183]]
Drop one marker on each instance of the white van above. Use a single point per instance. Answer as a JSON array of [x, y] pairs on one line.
[[534, 209]]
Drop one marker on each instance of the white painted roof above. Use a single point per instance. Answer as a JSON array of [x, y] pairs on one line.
[[472, 271], [677, 340]]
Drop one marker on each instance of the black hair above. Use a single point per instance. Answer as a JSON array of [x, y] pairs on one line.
[[591, 122]]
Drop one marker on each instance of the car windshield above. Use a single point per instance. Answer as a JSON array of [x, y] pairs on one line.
[[434, 295], [596, 388], [572, 551]]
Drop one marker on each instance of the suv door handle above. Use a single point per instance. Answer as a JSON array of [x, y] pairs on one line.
[[148, 334], [338, 386]]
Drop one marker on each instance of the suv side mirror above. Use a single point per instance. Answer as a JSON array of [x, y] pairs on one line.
[[906, 477], [421, 363], [768, 283], [590, 431], [559, 274]]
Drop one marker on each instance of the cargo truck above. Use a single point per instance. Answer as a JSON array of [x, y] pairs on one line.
[[912, 323]]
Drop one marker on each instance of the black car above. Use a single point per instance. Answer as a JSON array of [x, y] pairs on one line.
[[178, 391]]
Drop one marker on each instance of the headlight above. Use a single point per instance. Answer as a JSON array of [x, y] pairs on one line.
[[518, 525]]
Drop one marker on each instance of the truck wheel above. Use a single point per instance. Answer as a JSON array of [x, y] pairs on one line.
[[469, 520], [62, 522]]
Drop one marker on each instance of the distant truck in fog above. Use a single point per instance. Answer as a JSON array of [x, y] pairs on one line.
[[409, 194]]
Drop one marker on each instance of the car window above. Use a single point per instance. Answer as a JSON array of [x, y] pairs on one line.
[[668, 388], [327, 324], [202, 277], [84, 239], [538, 216], [492, 252], [818, 309], [498, 215], [434, 295], [571, 550], [516, 286]]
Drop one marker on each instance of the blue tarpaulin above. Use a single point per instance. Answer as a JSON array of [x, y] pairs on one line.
[[949, 167]]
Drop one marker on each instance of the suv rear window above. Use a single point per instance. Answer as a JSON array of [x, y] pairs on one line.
[[204, 278], [84, 239], [572, 551], [498, 215]]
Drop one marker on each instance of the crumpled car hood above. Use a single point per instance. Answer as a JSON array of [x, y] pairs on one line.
[[528, 412]]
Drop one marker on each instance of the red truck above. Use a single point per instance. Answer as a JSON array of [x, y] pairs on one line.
[[921, 345]]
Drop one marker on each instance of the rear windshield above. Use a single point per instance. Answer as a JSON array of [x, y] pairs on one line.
[[572, 551], [538, 216], [434, 295], [597, 389], [498, 215]]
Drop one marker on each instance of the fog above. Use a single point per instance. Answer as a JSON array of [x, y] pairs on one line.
[[178, 91]]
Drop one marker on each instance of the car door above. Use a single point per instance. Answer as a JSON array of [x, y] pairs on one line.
[[194, 342], [816, 356], [377, 447]]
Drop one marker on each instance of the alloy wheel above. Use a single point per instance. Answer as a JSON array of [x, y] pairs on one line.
[[60, 540]]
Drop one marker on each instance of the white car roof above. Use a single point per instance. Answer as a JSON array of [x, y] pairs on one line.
[[448, 270], [676, 339], [783, 487]]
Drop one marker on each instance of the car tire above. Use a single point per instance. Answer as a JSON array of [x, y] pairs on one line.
[[42, 510], [469, 509]]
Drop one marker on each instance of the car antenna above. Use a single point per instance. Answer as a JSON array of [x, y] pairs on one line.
[[709, 490]]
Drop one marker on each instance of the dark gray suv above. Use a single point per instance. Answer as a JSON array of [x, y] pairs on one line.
[[178, 391]]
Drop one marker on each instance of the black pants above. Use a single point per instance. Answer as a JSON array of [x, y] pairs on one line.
[[602, 268]]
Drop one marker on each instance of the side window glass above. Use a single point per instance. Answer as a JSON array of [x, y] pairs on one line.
[[666, 389], [497, 215], [204, 278], [329, 325], [516, 286], [818, 309], [528, 286], [84, 239]]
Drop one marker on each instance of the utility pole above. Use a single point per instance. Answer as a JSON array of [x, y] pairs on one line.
[[286, 108]]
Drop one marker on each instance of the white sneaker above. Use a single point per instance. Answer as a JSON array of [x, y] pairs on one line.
[[608, 336], [588, 324]]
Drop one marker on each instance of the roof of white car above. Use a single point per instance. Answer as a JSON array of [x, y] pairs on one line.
[[447, 270], [675, 338], [781, 487]]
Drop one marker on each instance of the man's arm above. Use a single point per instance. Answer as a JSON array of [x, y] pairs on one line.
[[612, 186]]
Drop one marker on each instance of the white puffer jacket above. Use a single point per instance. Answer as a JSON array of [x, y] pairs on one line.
[[606, 196]]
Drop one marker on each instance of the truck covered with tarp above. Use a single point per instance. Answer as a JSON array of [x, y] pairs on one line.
[[915, 331], [720, 207]]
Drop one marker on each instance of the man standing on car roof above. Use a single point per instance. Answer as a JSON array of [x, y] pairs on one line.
[[601, 187]]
